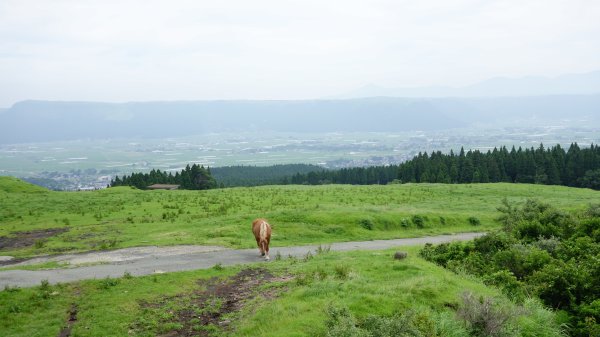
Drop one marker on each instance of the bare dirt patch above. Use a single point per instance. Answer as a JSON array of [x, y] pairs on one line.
[[28, 238], [212, 309], [66, 330]]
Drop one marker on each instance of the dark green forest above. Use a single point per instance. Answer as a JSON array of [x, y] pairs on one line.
[[230, 176], [576, 167], [193, 177], [541, 251]]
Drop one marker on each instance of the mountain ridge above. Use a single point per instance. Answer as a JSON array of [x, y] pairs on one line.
[[587, 83], [40, 121]]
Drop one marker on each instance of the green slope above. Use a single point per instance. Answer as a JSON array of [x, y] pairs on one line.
[[293, 303], [15, 185], [125, 217]]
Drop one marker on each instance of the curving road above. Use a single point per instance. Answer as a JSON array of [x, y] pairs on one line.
[[149, 260]]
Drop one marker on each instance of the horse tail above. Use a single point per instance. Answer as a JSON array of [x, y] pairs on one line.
[[263, 231]]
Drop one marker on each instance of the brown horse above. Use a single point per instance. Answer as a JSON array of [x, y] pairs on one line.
[[262, 234]]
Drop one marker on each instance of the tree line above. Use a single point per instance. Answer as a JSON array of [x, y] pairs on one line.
[[241, 175], [576, 167], [372, 175], [193, 177]]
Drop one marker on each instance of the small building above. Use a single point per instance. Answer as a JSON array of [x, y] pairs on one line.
[[162, 187]]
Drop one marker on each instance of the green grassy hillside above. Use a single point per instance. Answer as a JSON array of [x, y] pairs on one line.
[[15, 185], [322, 294], [327, 294], [125, 217]]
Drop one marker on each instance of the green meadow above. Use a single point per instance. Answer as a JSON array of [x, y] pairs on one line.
[[125, 217], [322, 294]]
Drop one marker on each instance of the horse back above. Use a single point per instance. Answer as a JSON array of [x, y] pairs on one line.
[[261, 225]]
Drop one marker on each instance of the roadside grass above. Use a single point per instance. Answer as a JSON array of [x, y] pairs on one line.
[[366, 282], [125, 217], [39, 266]]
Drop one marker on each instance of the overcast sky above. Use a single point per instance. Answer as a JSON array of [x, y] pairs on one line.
[[168, 50]]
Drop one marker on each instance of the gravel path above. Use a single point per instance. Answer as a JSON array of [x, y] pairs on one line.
[[148, 260]]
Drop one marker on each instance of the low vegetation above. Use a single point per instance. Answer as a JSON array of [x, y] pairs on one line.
[[535, 274], [38, 222], [326, 294], [541, 251]]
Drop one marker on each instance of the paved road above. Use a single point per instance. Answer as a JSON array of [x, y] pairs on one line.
[[198, 259]]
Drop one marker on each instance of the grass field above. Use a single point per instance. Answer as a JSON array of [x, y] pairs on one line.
[[124, 217], [322, 294], [294, 301]]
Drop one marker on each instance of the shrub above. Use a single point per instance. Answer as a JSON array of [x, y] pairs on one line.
[[507, 282], [400, 325], [341, 323], [493, 242], [418, 221], [593, 211], [522, 260], [483, 316], [473, 221], [550, 245], [443, 253], [367, 224]]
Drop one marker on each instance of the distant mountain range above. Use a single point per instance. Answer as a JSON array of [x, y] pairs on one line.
[[569, 84], [40, 121]]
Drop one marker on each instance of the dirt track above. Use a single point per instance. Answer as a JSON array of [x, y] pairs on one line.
[[148, 260]]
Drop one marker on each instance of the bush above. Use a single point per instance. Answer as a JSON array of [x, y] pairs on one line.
[[522, 260], [418, 221], [400, 325], [483, 316], [507, 282], [593, 211], [494, 242], [412, 323], [443, 253], [367, 224], [341, 323], [474, 221]]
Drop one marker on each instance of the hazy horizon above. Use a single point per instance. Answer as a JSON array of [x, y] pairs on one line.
[[185, 50]]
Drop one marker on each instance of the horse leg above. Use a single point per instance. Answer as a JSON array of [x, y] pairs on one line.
[[260, 249], [265, 247]]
